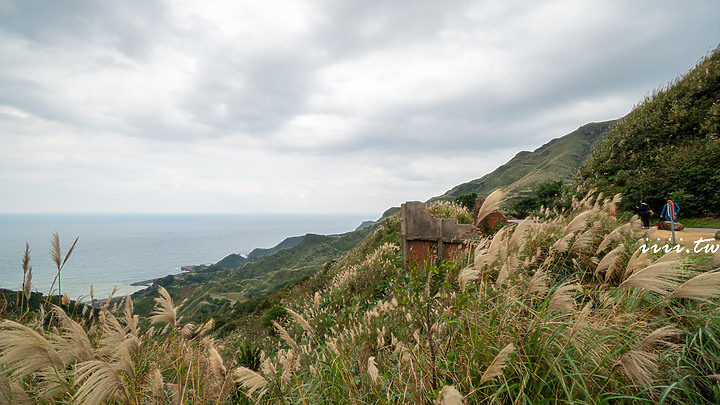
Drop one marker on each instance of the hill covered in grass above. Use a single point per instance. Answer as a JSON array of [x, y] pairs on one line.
[[558, 159], [214, 290], [667, 147]]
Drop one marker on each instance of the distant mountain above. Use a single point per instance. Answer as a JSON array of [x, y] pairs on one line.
[[558, 159], [259, 253], [364, 224], [234, 260], [213, 289]]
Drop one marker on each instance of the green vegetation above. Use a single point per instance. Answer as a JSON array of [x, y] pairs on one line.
[[467, 201], [444, 209], [547, 195], [667, 147], [713, 223], [215, 291]]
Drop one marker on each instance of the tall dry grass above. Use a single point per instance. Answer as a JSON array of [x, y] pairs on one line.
[[503, 327], [552, 310]]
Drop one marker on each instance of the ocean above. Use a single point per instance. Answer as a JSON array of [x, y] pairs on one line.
[[120, 249]]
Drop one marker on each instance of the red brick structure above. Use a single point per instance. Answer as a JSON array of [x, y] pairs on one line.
[[428, 238], [491, 220]]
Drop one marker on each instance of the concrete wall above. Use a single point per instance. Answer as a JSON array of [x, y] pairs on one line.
[[428, 238]]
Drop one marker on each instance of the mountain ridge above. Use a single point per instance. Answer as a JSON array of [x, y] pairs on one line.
[[558, 159]]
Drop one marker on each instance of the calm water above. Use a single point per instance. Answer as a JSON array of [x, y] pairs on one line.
[[122, 249]]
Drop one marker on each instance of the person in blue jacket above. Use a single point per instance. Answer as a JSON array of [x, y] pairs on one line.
[[666, 213]]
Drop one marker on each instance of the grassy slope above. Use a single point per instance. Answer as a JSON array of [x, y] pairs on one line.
[[558, 159], [668, 146], [210, 293]]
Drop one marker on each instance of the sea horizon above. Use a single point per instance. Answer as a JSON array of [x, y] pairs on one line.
[[118, 249]]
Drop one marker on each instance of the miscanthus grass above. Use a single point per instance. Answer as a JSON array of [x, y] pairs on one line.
[[558, 309]]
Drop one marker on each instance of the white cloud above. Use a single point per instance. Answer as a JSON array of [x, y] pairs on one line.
[[310, 106]]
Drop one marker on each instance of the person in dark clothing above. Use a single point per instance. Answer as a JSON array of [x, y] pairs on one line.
[[670, 211], [644, 210]]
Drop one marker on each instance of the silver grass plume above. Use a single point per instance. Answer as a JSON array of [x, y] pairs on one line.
[[585, 240], [609, 263], [118, 345], [639, 260], [449, 395], [492, 202], [372, 369], [610, 206], [580, 322], [316, 300], [155, 383], [466, 275], [25, 351], [187, 330], [660, 278], [669, 257], [305, 325], [56, 255], [100, 381], [520, 233], [538, 282], [498, 364], [614, 236], [563, 244], [496, 250], [250, 380], [130, 319], [164, 310], [12, 392], [106, 305], [577, 223], [639, 366], [27, 272], [216, 364], [51, 383], [76, 344], [562, 300], [506, 271], [285, 336], [661, 335], [208, 327], [703, 287]]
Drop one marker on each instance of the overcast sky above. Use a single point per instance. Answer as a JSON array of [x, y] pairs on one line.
[[310, 106]]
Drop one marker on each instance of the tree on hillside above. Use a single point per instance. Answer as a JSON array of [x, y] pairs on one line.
[[667, 147], [545, 195], [467, 200]]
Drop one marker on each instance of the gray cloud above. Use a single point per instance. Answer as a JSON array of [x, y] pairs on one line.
[[304, 93], [254, 95], [128, 26]]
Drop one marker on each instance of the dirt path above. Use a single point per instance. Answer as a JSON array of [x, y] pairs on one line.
[[690, 237]]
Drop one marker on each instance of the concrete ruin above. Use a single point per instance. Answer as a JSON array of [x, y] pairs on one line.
[[425, 237]]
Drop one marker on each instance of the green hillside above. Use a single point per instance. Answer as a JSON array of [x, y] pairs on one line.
[[558, 159], [667, 147], [214, 290]]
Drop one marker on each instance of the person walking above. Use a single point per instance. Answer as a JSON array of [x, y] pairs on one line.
[[670, 211], [644, 210]]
